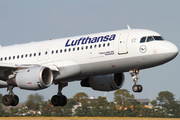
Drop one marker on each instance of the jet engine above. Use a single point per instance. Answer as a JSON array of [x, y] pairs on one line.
[[35, 78], [108, 82]]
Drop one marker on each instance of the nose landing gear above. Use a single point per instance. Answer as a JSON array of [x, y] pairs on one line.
[[134, 73]]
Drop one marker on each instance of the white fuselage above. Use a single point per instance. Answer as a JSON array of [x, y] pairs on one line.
[[78, 57]]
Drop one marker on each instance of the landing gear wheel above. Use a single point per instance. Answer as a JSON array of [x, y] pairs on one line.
[[63, 100], [59, 99], [7, 100], [55, 100], [140, 88], [15, 100], [135, 88]]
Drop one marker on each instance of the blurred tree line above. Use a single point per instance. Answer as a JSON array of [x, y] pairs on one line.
[[124, 104]]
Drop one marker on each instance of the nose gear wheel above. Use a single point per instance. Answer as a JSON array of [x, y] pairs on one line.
[[137, 88]]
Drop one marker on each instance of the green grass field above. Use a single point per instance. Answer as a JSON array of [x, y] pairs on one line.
[[83, 118]]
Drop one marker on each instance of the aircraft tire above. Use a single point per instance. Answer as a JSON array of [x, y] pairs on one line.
[[7, 100], [135, 88], [15, 100], [140, 88], [55, 100], [63, 100]]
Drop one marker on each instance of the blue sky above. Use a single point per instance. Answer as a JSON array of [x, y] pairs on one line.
[[23, 21]]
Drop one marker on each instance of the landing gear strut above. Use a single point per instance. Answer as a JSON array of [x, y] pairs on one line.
[[11, 98], [59, 99], [135, 88]]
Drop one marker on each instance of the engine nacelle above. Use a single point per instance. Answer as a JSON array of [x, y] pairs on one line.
[[35, 78], [108, 82]]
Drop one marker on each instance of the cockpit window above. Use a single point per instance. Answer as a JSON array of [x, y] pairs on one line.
[[158, 38], [143, 39], [150, 38]]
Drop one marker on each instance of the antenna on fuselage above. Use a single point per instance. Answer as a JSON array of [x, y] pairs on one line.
[[128, 27], [105, 95]]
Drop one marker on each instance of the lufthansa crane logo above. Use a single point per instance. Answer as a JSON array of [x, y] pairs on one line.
[[143, 49]]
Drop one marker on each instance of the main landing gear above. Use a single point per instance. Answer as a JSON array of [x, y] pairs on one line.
[[11, 98], [59, 99], [135, 88]]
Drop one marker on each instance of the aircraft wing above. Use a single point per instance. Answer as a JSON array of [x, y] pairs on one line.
[[7, 65]]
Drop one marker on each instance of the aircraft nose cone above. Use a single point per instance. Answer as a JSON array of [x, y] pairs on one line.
[[173, 48], [172, 51]]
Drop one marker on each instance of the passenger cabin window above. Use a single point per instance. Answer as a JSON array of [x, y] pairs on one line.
[[91, 47], [94, 46], [104, 45]]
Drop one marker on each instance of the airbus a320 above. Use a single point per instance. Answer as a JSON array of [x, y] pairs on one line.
[[97, 60]]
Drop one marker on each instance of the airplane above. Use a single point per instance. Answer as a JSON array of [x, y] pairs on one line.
[[97, 60]]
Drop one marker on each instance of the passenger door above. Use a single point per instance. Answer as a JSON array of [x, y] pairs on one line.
[[122, 44]]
